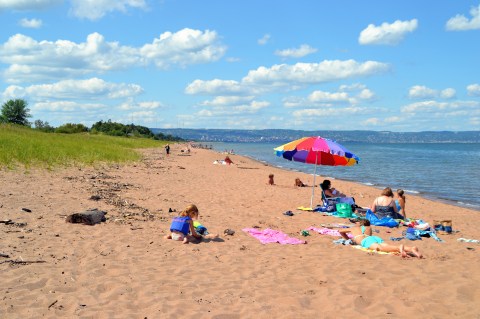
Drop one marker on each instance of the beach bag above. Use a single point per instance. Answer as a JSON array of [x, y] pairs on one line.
[[385, 221], [344, 210]]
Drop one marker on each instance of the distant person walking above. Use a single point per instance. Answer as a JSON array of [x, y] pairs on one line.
[[167, 149]]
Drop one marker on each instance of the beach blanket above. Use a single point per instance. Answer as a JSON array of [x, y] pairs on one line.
[[372, 250], [307, 209], [268, 236]]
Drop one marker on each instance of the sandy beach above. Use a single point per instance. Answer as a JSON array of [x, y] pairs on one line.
[[124, 268]]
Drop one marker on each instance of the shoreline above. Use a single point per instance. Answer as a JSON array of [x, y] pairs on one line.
[[124, 267], [377, 186]]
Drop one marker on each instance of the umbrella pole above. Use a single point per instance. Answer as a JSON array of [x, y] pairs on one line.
[[313, 186]]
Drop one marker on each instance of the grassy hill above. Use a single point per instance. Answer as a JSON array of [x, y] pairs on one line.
[[23, 146]]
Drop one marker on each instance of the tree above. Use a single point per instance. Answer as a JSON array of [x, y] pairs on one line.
[[15, 112], [43, 126], [71, 128]]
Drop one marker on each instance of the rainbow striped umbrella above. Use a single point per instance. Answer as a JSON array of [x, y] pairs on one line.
[[318, 151]]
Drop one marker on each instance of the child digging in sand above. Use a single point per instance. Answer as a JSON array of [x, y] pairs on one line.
[[362, 235], [183, 225]]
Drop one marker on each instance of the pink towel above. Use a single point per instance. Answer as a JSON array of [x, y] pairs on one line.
[[328, 231], [272, 236]]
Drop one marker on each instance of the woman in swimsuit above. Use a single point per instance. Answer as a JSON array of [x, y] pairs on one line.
[[384, 206], [362, 235]]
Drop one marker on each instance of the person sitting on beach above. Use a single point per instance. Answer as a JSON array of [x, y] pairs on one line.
[[182, 226], [228, 161], [400, 203], [299, 183], [384, 205], [362, 235], [270, 180], [329, 191]]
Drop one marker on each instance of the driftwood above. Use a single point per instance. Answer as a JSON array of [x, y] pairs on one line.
[[23, 262], [4, 255], [89, 217]]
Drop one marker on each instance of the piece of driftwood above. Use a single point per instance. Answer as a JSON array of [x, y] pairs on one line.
[[89, 217], [4, 255], [23, 262]]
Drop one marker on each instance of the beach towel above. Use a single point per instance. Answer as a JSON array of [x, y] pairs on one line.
[[268, 236], [373, 250], [385, 221], [308, 209]]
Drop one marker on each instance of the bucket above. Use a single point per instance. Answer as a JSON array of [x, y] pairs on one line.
[[344, 210]]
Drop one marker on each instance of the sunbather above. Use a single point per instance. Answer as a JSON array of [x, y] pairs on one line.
[[329, 191], [362, 235]]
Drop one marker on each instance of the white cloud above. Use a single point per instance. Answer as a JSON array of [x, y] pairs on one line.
[[462, 23], [227, 100], [229, 108], [448, 93], [182, 48], [30, 23], [423, 92], [322, 99], [371, 122], [390, 34], [36, 61], [302, 51], [91, 89], [130, 104], [327, 97], [285, 76], [264, 40], [445, 108], [96, 9], [473, 89], [28, 4], [329, 112], [66, 106]]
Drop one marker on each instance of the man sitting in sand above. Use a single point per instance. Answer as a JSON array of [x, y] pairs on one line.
[[362, 235]]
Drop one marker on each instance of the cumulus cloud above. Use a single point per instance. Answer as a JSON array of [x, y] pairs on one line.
[[96, 9], [30, 23], [387, 33], [462, 23], [91, 89], [329, 112], [28, 4], [457, 108], [328, 99], [264, 40], [423, 92], [302, 51], [66, 106], [285, 76], [473, 89], [130, 104], [31, 60], [229, 105]]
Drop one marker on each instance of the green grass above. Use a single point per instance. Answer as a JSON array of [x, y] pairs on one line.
[[22, 146]]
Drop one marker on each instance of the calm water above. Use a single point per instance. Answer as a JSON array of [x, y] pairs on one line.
[[447, 172]]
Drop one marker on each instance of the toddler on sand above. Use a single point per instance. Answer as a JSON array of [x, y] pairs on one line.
[[182, 226]]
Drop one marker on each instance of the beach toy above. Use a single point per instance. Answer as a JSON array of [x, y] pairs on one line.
[[199, 228]]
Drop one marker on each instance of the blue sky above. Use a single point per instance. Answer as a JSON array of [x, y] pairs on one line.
[[313, 65]]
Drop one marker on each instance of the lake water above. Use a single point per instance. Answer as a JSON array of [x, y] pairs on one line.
[[446, 172]]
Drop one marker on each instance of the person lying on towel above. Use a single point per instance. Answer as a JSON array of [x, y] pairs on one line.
[[362, 235]]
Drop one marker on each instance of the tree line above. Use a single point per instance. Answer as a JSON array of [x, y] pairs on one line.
[[17, 112]]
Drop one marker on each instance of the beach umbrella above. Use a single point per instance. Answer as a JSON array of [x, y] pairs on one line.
[[318, 151]]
